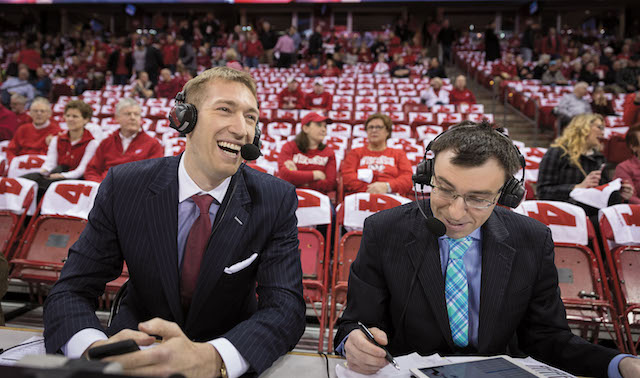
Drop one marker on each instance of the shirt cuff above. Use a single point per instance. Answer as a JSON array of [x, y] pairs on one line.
[[236, 364], [78, 343], [613, 371], [340, 348]]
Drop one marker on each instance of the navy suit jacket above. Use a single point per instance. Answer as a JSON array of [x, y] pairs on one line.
[[135, 220], [396, 284]]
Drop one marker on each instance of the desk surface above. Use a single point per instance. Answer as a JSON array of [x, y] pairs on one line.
[[294, 364]]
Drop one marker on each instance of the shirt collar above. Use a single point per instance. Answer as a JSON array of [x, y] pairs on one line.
[[476, 235], [43, 126], [129, 139], [187, 187]]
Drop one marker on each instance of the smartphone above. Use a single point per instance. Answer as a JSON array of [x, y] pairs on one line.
[[113, 349]]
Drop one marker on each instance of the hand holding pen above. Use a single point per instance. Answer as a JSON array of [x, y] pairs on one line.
[[365, 350]]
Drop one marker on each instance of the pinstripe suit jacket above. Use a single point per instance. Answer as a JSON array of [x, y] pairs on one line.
[[519, 293], [134, 220]]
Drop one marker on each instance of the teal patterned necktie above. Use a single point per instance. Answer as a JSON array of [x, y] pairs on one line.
[[457, 291]]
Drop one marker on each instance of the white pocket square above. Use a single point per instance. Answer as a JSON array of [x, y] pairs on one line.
[[235, 268]]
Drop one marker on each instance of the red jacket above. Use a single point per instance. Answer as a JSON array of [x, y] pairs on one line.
[[321, 160], [629, 170], [170, 54], [457, 97], [167, 89], [297, 98], [71, 154], [23, 118], [323, 100], [109, 154], [8, 123], [631, 114], [390, 165], [252, 49], [548, 46], [31, 141]]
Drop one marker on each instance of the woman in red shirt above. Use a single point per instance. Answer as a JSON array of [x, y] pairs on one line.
[[376, 168], [629, 170], [307, 162], [70, 151]]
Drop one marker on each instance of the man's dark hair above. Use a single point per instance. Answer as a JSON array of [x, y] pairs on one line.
[[474, 143]]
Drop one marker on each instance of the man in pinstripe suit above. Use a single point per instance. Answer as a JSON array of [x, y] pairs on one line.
[[142, 215], [399, 283]]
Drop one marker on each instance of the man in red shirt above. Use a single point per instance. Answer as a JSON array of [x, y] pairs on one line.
[[33, 138], [319, 99], [170, 53], [252, 50], [8, 123], [168, 86], [631, 114], [126, 145], [291, 97], [30, 56], [460, 94], [18, 105]]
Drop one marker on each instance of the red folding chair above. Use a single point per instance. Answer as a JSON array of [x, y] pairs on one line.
[[60, 219], [16, 202], [351, 215], [620, 229], [314, 209], [587, 300]]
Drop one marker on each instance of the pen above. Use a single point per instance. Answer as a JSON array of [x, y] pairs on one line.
[[388, 357]]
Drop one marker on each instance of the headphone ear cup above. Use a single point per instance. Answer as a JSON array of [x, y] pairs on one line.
[[424, 171], [512, 194], [183, 118], [256, 137]]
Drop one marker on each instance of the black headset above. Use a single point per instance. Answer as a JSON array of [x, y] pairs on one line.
[[184, 116], [512, 192]]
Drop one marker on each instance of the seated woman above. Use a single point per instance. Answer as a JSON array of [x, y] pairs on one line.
[[574, 161], [629, 170], [307, 162], [376, 168], [600, 104], [70, 151], [143, 87]]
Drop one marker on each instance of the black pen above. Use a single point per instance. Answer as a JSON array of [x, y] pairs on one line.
[[388, 357]]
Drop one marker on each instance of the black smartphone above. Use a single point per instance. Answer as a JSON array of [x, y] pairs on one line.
[[113, 349]]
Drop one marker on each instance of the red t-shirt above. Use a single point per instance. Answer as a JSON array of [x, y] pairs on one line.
[[321, 160], [631, 113], [323, 100], [170, 54], [390, 165]]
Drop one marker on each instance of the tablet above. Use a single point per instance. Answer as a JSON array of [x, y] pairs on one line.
[[494, 367]]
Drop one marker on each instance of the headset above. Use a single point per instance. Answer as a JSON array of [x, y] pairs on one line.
[[184, 116], [512, 192]]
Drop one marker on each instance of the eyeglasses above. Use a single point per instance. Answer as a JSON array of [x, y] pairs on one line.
[[376, 127], [470, 200]]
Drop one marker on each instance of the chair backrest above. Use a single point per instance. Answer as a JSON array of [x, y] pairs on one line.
[[358, 206], [23, 164], [314, 208], [620, 225], [69, 198], [17, 195], [627, 266], [568, 223]]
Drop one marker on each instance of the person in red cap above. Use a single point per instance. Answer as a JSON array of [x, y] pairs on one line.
[[306, 161]]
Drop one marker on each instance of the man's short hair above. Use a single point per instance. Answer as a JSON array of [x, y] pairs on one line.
[[475, 143], [194, 88], [41, 100], [581, 84], [16, 97], [125, 103], [86, 111]]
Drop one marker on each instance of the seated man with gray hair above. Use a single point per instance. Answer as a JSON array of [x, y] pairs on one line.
[[128, 144], [33, 138], [573, 104]]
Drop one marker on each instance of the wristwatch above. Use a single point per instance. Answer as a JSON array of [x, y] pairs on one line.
[[223, 370]]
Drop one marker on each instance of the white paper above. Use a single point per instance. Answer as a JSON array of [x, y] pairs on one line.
[[405, 363], [33, 345]]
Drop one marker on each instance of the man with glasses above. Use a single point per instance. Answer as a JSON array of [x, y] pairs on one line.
[[33, 138], [488, 286]]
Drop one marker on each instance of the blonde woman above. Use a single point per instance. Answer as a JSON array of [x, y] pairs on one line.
[[575, 160]]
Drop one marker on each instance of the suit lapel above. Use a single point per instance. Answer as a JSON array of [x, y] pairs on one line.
[[228, 228], [423, 245], [497, 260], [162, 213]]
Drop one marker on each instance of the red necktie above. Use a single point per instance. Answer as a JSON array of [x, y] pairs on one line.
[[194, 250]]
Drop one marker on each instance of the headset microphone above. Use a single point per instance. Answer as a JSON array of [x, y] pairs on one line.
[[250, 151]]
